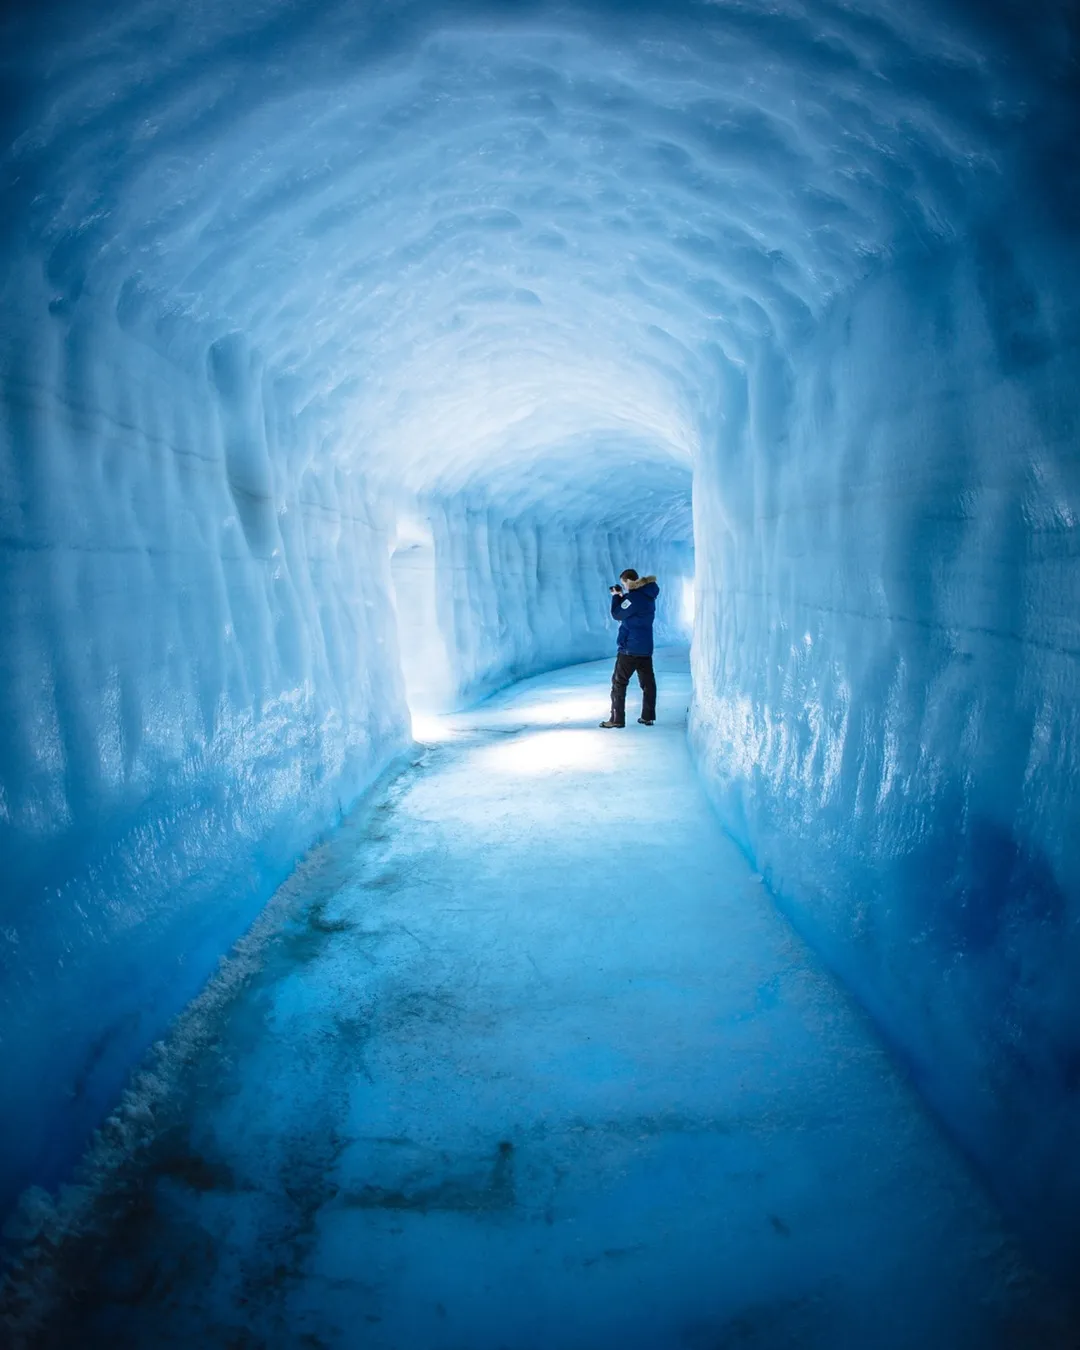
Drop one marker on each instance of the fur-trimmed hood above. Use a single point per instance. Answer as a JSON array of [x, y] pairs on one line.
[[635, 609]]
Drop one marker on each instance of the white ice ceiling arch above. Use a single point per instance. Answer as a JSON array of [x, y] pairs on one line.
[[496, 239]]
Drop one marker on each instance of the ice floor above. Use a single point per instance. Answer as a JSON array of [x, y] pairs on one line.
[[524, 1060]]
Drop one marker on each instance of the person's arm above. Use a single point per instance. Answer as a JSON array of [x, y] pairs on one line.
[[618, 599]]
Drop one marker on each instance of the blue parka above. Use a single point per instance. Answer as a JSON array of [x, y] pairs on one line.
[[635, 611]]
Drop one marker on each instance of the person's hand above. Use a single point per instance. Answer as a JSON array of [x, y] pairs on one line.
[[616, 590]]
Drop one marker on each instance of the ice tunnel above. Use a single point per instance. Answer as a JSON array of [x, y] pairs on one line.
[[314, 311]]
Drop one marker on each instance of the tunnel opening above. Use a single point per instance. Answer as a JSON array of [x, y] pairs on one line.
[[425, 667]]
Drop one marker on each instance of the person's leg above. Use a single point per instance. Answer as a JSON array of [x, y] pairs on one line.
[[620, 678], [647, 679]]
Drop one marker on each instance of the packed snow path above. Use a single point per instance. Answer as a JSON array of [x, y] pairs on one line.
[[525, 1058]]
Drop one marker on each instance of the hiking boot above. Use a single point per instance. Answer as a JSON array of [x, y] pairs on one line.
[[646, 721], [613, 724]]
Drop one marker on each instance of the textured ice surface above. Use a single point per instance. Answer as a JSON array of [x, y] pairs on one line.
[[486, 1078], [892, 731], [292, 291]]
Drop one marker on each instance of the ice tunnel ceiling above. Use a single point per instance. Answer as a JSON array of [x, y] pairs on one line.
[[498, 248]]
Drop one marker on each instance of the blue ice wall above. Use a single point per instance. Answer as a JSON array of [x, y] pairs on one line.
[[277, 278], [198, 673], [887, 667]]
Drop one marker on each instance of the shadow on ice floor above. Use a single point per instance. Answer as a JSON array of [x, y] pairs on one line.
[[523, 1058]]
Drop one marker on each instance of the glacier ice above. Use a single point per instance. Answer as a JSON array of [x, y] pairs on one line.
[[310, 313], [475, 1079]]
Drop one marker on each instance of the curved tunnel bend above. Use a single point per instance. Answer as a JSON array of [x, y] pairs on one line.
[[302, 301]]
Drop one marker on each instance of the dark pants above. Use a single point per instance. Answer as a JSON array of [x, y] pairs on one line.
[[625, 666]]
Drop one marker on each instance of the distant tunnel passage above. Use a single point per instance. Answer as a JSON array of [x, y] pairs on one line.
[[782, 298]]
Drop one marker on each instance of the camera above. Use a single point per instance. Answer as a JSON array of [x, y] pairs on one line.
[[616, 590]]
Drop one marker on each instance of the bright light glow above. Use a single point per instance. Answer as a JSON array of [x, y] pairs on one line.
[[568, 709], [686, 604], [546, 752], [429, 728]]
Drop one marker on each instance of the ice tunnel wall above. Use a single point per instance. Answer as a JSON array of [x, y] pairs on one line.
[[887, 677], [305, 306], [199, 673]]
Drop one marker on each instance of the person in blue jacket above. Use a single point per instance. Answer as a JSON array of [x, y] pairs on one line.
[[633, 603]]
